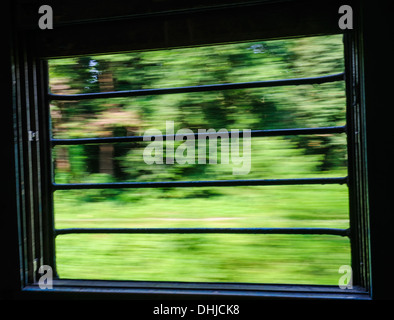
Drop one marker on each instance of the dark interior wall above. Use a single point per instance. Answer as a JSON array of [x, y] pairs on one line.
[[8, 217], [140, 25], [19, 17], [378, 64]]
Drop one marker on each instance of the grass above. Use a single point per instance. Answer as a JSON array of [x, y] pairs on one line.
[[296, 259]]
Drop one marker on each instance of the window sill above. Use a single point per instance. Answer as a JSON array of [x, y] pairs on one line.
[[82, 289]]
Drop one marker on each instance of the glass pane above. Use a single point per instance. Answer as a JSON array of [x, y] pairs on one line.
[[256, 158], [239, 62], [255, 109], [207, 258], [297, 259], [321, 206]]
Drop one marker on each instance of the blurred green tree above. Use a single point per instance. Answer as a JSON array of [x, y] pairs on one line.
[[267, 108]]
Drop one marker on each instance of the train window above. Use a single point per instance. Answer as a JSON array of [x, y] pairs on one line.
[[194, 162]]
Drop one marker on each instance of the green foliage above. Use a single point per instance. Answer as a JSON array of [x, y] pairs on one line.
[[244, 258], [267, 108]]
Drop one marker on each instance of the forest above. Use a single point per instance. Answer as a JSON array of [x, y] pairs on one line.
[[298, 259]]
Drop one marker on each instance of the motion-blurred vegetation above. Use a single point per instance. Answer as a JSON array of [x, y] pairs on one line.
[[246, 258]]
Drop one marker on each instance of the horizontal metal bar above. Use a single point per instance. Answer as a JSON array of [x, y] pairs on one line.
[[253, 133], [316, 231], [213, 183], [201, 88]]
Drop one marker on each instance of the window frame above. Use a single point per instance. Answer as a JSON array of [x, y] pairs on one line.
[[35, 192]]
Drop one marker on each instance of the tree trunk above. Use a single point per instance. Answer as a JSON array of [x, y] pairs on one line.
[[106, 159]]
